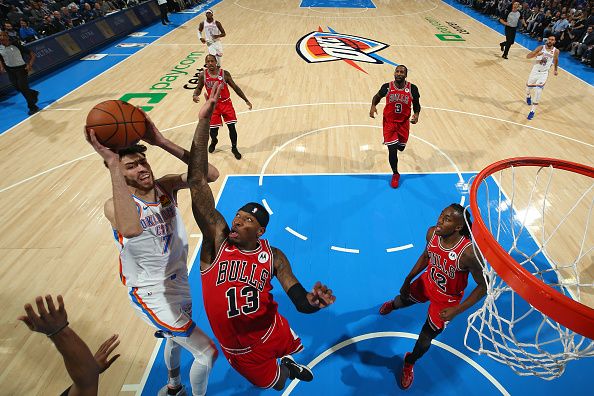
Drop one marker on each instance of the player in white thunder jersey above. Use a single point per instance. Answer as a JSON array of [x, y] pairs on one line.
[[213, 32], [546, 56], [153, 252]]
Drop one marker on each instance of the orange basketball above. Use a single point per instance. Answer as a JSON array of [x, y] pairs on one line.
[[117, 124]]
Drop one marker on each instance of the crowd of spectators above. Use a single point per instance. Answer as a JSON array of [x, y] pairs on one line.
[[570, 21]]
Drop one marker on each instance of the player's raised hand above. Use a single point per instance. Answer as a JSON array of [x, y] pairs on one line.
[[107, 154], [372, 111], [208, 107], [48, 321], [152, 135], [102, 355], [321, 296]]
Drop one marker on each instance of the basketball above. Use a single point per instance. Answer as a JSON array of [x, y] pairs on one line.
[[117, 124]]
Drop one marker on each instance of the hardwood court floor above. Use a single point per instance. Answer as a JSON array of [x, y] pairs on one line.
[[56, 239]]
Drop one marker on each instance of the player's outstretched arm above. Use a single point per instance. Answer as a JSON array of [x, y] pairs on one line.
[[120, 210], [468, 261], [199, 86], [319, 297], [78, 359], [212, 224], [419, 266], [238, 91]]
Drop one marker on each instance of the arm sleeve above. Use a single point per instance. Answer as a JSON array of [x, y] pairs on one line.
[[298, 296], [383, 91], [416, 96]]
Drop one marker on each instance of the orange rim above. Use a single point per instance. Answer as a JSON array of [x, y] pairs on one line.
[[564, 310]]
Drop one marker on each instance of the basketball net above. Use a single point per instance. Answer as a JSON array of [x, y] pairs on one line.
[[540, 213]]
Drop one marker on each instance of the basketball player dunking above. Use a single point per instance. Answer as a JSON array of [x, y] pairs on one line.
[[153, 246], [400, 96], [237, 268], [224, 109], [447, 260], [546, 56]]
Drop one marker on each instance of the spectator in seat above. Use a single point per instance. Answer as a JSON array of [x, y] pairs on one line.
[[27, 33]]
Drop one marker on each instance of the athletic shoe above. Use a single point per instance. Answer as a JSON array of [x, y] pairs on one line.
[[386, 307], [164, 391], [529, 100], [530, 115], [213, 145], [236, 153], [395, 180], [408, 375], [504, 56], [296, 370], [33, 110]]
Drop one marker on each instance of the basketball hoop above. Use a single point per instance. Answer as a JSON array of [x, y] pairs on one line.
[[539, 246]]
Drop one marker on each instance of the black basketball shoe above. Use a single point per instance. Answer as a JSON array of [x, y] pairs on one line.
[[296, 370]]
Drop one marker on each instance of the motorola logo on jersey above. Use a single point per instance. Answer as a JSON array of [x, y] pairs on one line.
[[320, 46]]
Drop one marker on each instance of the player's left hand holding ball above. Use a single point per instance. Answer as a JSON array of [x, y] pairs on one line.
[[321, 296]]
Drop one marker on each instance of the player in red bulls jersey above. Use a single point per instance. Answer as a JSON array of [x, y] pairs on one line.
[[224, 109], [237, 268], [400, 96], [446, 261]]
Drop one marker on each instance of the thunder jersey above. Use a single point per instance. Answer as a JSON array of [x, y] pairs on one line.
[[161, 251], [237, 295], [398, 103], [210, 29], [210, 80], [543, 64], [444, 269]]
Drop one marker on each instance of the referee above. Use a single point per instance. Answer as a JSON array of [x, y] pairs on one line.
[[511, 24], [12, 61]]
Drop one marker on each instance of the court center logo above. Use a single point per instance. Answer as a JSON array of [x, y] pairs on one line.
[[320, 46]]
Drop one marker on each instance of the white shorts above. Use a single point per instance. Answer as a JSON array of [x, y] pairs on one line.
[[537, 79], [167, 306], [215, 48]]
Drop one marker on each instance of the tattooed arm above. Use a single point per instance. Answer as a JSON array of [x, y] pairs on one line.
[[212, 224]]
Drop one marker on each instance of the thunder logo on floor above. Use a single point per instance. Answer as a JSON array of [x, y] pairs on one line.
[[320, 46]]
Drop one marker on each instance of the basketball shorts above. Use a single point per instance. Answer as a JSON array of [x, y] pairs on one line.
[[223, 111], [215, 48], [396, 132], [167, 306], [422, 290], [537, 79], [259, 364]]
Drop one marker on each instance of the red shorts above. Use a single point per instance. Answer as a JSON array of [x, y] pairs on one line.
[[223, 110], [396, 132], [259, 364], [422, 290]]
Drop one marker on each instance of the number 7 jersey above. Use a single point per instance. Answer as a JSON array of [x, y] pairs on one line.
[[443, 270], [237, 295]]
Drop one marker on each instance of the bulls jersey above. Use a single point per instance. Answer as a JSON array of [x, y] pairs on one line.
[[161, 251], [444, 268], [398, 103], [544, 60], [210, 29], [210, 80], [237, 295]]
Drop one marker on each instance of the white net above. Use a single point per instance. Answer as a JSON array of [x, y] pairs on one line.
[[542, 217]]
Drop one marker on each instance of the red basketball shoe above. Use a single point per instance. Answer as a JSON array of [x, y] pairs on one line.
[[395, 180], [407, 376]]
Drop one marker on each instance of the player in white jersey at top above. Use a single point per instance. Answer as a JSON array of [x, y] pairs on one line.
[[546, 56], [213, 32], [153, 246]]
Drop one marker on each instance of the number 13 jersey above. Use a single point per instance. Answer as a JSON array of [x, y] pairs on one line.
[[237, 296], [444, 269]]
